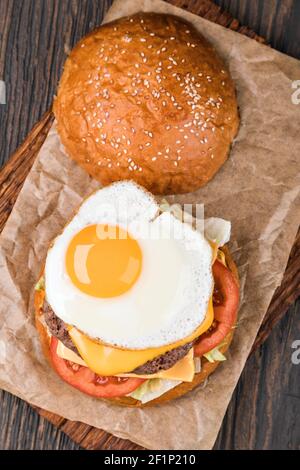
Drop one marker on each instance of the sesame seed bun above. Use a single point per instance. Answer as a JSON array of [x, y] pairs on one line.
[[147, 98], [207, 368]]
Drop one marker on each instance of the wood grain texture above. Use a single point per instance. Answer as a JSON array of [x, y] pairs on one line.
[[20, 427], [265, 408], [276, 20]]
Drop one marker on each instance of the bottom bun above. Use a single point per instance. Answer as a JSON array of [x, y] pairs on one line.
[[207, 367]]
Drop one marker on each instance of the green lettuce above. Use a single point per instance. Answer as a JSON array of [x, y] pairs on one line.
[[40, 285], [215, 355], [150, 385], [216, 229]]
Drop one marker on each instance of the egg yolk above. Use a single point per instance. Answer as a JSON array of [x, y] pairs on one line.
[[103, 260]]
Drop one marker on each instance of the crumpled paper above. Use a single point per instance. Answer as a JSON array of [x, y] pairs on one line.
[[257, 189]]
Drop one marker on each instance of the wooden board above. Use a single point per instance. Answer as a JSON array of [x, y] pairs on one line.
[[14, 173]]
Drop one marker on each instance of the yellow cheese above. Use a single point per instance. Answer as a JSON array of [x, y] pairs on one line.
[[215, 249], [68, 354], [108, 360], [183, 370], [221, 257]]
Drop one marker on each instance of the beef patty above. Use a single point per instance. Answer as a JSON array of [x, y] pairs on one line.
[[59, 329]]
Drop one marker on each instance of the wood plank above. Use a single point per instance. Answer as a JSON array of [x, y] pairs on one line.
[[13, 174], [275, 20]]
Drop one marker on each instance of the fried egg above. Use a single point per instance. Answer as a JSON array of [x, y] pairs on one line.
[[125, 274]]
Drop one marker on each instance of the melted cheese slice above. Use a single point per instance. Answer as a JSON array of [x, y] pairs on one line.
[[183, 370], [107, 360], [66, 353]]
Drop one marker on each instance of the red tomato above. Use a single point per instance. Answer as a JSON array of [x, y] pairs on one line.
[[225, 301], [87, 381]]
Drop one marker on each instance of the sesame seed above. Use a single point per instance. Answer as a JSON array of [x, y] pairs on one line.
[[154, 158]]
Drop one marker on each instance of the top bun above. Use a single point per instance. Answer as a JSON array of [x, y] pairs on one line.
[[147, 98]]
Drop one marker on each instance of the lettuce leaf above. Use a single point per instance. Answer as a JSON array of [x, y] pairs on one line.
[[40, 285], [153, 388], [216, 229], [215, 355]]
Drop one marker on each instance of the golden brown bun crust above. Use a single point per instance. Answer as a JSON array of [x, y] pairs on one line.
[[176, 392], [147, 98]]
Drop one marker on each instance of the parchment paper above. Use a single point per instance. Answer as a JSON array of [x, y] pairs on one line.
[[257, 189]]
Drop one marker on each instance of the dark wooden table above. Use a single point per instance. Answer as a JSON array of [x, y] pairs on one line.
[[34, 37]]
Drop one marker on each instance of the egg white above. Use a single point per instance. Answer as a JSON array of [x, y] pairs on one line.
[[169, 299]]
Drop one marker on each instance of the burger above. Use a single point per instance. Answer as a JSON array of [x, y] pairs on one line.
[[147, 98], [137, 302]]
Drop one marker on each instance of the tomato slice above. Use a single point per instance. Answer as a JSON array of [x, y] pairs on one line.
[[225, 302], [85, 380]]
